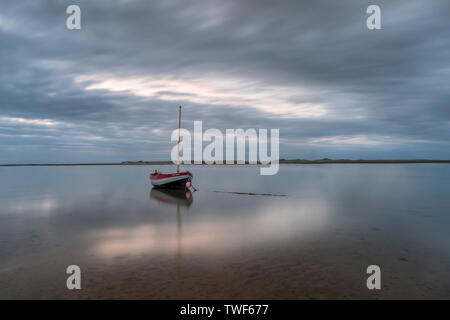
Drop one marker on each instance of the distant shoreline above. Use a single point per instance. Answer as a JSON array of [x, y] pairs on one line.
[[282, 161]]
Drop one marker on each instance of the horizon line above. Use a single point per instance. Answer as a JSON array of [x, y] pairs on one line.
[[281, 161]]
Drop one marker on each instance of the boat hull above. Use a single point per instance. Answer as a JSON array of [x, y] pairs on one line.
[[171, 180]]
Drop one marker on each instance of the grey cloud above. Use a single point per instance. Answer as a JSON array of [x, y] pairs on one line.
[[387, 83]]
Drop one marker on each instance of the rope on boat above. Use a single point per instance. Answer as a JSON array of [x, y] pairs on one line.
[[251, 193]]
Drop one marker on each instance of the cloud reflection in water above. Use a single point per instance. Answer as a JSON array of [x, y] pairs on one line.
[[214, 234]]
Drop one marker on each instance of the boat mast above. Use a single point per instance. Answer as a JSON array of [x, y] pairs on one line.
[[179, 129]]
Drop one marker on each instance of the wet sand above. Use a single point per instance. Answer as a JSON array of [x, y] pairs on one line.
[[322, 269]]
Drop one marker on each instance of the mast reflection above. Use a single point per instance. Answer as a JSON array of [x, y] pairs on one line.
[[178, 198]]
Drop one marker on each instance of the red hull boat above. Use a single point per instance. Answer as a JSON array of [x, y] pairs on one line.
[[177, 180]]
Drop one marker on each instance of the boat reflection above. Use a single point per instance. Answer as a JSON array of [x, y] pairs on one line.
[[180, 198]]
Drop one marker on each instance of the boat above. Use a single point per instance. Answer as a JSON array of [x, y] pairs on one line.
[[177, 180]]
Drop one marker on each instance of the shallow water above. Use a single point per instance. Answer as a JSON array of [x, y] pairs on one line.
[[309, 232]]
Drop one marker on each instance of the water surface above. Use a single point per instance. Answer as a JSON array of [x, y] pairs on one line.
[[311, 238]]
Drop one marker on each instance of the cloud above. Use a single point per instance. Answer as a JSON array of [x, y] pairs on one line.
[[109, 91], [212, 92]]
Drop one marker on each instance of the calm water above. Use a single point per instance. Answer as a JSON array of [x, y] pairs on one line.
[[313, 243]]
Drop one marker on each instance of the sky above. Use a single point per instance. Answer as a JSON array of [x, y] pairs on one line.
[[110, 91]]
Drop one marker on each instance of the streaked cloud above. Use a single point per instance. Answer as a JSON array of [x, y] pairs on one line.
[[110, 91], [213, 92]]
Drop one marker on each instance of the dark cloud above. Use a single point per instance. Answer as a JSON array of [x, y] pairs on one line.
[[109, 92]]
